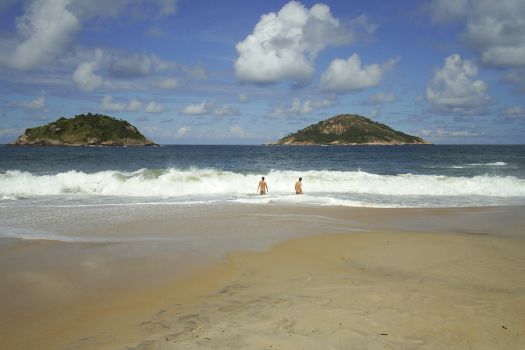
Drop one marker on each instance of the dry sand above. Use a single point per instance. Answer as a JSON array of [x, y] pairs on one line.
[[370, 289]]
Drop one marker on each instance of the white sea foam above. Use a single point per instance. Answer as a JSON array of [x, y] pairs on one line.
[[224, 185], [479, 165], [9, 197], [489, 164]]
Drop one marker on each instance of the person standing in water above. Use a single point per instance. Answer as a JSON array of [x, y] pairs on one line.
[[263, 187], [298, 186]]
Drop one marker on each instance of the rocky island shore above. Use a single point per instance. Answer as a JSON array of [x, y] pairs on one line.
[[84, 130], [349, 129]]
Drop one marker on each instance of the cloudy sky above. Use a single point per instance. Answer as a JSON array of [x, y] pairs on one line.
[[247, 72]]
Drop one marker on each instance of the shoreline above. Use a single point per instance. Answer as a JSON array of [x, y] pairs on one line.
[[144, 296]]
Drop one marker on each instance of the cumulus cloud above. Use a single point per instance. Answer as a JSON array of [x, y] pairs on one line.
[[236, 131], [134, 9], [284, 45], [209, 108], [182, 131], [455, 87], [514, 113], [495, 29], [351, 75], [44, 30], [167, 133], [86, 76], [168, 83], [167, 7], [109, 104], [155, 107], [47, 27], [131, 66], [96, 69], [196, 109], [441, 132], [224, 111], [138, 65], [298, 108], [230, 132], [448, 10], [36, 104], [516, 76]]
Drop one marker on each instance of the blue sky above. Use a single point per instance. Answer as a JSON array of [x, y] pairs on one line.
[[248, 72]]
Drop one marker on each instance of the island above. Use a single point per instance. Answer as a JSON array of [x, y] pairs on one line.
[[84, 130], [349, 129]]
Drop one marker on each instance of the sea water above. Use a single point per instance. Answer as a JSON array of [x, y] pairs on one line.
[[360, 176]]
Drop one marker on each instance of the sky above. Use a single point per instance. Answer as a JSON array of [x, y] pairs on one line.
[[251, 72]]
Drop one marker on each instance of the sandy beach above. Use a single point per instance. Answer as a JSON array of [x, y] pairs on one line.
[[272, 277]]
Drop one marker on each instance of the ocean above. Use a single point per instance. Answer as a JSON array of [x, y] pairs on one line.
[[420, 176]]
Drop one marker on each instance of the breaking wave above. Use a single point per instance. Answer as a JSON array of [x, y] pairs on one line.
[[173, 182]]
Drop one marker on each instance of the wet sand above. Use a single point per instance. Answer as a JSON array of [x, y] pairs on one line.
[[273, 277]]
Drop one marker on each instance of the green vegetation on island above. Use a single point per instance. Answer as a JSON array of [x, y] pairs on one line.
[[349, 129], [84, 130]]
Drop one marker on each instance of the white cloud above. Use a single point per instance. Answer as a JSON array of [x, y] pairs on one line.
[[515, 112], [44, 30], [133, 9], [138, 65], [134, 105], [236, 131], [168, 7], [182, 131], [168, 83], [496, 29], [95, 66], [111, 105], [381, 98], [155, 107], [447, 10], [230, 132], [132, 66], [203, 133], [350, 75], [194, 72], [284, 45], [196, 109], [47, 27], [243, 97], [455, 87], [441, 132], [209, 108], [85, 75], [298, 108], [224, 111], [36, 104], [167, 133]]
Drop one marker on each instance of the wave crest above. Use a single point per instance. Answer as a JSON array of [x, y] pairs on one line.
[[174, 182]]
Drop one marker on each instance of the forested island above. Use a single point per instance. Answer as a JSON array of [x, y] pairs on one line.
[[84, 130], [349, 129]]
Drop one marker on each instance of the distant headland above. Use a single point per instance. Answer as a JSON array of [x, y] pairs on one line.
[[84, 130], [349, 129]]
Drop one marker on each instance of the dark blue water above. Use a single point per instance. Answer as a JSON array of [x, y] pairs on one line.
[[449, 160]]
